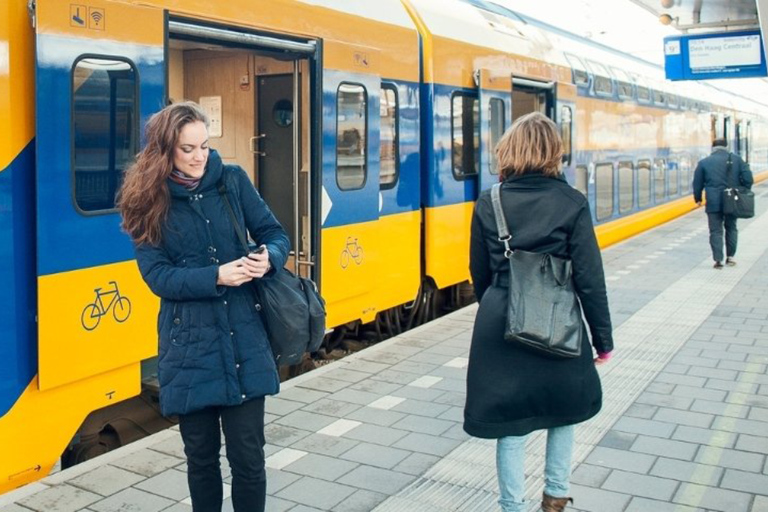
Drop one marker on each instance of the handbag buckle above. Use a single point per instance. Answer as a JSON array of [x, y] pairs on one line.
[[507, 250]]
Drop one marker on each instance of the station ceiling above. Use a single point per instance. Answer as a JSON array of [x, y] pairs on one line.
[[704, 15]]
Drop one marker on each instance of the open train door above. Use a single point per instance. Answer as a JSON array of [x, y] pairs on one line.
[[494, 91], [529, 95], [100, 75]]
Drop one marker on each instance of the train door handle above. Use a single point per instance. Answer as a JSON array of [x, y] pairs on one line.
[[254, 144]]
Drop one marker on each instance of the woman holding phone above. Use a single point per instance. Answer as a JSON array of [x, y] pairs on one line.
[[215, 364]]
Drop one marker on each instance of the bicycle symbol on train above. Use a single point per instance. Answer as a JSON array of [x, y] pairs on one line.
[[353, 250], [119, 304]]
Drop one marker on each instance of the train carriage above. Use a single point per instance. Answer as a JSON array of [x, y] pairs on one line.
[[367, 126]]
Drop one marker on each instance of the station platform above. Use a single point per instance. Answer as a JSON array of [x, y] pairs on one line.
[[684, 426]]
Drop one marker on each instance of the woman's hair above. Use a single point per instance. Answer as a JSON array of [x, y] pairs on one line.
[[144, 198], [532, 144]]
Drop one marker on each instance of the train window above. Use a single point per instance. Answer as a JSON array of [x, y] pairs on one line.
[[566, 133], [582, 178], [105, 136], [643, 94], [604, 190], [497, 130], [673, 175], [672, 100], [465, 135], [603, 82], [626, 186], [685, 173], [643, 183], [388, 151], [580, 75], [659, 179], [747, 139], [659, 97], [623, 83], [351, 136]]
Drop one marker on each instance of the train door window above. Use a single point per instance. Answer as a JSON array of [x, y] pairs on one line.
[[351, 136], [726, 127], [737, 147], [626, 186], [716, 127], [673, 174], [582, 179], [496, 120], [643, 183], [465, 135], [604, 190], [388, 152], [566, 133], [105, 135], [603, 82], [747, 140], [659, 179]]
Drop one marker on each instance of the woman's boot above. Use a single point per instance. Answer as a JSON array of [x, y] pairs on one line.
[[550, 504]]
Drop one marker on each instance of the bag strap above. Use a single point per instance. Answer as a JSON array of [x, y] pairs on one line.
[[501, 222], [728, 171], [223, 193]]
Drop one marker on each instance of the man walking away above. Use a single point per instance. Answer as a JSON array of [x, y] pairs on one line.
[[712, 176]]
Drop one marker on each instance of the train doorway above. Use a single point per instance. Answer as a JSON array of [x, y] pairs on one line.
[[256, 90], [532, 96]]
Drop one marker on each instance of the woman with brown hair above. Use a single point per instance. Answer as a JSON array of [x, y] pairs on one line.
[[512, 391], [214, 360]]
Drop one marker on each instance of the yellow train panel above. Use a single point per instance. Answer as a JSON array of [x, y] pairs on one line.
[[97, 328], [33, 442], [17, 81], [370, 267], [447, 230]]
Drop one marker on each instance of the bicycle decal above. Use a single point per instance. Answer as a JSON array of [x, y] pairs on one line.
[[353, 251], [119, 304]]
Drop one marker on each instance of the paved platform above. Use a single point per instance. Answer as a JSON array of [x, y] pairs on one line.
[[684, 426]]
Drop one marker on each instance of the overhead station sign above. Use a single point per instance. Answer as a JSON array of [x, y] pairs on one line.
[[721, 55]]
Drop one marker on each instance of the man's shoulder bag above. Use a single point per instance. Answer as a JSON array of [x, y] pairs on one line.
[[543, 312], [291, 306], [738, 200]]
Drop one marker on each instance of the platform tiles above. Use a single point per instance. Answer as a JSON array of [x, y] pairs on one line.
[[684, 425]]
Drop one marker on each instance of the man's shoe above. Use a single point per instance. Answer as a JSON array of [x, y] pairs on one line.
[[551, 504], [730, 262], [718, 265]]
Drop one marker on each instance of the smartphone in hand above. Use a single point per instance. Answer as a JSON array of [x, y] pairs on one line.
[[260, 249]]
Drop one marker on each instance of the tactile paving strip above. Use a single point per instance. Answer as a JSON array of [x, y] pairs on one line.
[[465, 479]]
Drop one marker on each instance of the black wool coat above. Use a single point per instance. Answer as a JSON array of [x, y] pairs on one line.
[[213, 348], [711, 176], [510, 390]]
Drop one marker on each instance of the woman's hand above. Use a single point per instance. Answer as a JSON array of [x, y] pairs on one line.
[[235, 273], [257, 262], [602, 358]]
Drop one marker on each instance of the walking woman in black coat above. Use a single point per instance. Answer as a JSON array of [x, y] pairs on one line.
[[511, 391], [214, 362]]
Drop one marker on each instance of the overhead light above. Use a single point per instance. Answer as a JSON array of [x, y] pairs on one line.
[[665, 19], [667, 3]]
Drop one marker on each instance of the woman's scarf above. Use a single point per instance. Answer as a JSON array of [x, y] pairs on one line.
[[186, 181]]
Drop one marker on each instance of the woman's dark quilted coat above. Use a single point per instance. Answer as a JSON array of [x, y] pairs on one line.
[[213, 348]]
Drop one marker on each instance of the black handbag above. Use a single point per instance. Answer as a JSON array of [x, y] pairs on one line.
[[291, 306], [738, 201], [543, 311]]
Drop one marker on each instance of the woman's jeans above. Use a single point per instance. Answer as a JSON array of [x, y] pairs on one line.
[[243, 427], [510, 459]]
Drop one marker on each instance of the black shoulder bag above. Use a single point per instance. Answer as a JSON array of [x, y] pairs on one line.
[[543, 312], [291, 306], [738, 200]]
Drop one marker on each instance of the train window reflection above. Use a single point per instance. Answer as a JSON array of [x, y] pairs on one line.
[[497, 130], [582, 178], [659, 179], [643, 183], [673, 173], [105, 135], [603, 190], [351, 139], [390, 161], [626, 186], [465, 135]]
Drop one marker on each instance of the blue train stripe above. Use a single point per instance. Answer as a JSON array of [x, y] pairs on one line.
[[18, 299]]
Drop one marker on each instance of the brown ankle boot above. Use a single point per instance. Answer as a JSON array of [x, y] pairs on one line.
[[550, 504]]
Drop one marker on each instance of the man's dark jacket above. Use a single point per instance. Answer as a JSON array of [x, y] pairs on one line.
[[710, 176]]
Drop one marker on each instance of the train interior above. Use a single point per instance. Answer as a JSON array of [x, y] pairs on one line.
[[249, 95]]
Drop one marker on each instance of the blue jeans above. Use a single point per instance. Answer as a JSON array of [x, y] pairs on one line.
[[243, 427], [510, 459], [716, 223]]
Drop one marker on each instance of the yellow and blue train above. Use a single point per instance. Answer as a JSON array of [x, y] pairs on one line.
[[367, 126]]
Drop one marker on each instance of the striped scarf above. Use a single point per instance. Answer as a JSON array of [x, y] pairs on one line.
[[186, 181]]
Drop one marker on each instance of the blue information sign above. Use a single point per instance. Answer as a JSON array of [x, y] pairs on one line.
[[721, 55]]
